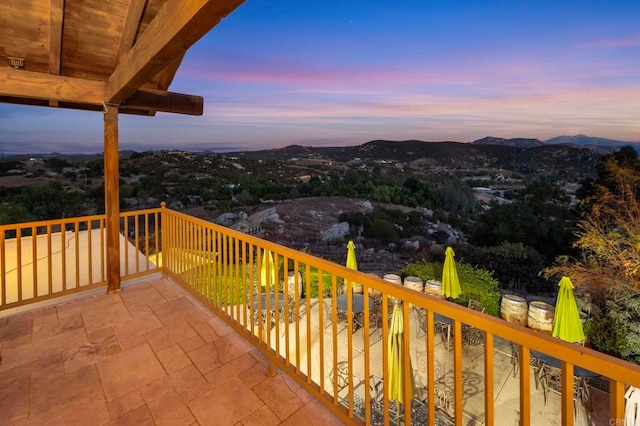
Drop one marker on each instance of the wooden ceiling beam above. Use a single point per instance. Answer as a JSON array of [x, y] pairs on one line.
[[176, 27], [55, 36], [32, 88], [35, 85], [69, 105], [131, 27], [158, 100], [165, 77]]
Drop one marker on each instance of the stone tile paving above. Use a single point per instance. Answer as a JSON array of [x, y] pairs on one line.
[[147, 355]]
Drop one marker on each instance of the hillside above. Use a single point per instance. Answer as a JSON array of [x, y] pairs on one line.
[[515, 142], [584, 140], [559, 160]]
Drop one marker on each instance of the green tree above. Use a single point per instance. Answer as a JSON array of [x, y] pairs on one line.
[[608, 233], [607, 268], [540, 217], [15, 213]]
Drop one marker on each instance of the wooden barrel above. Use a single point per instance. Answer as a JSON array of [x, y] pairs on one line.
[[514, 309], [414, 283], [433, 288], [395, 279], [375, 294], [540, 316]]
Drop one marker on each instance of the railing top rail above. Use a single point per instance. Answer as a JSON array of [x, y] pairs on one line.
[[140, 212], [41, 223], [66, 220]]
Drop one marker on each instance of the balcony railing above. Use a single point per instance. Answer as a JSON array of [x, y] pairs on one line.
[[60, 257], [288, 304]]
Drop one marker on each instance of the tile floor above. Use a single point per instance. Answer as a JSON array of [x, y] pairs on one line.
[[147, 355]]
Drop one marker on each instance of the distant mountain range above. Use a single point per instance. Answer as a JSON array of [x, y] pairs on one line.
[[567, 157], [487, 150], [382, 149], [515, 142], [589, 140], [581, 140]]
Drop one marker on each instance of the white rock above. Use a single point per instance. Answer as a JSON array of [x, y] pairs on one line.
[[339, 231], [226, 219], [411, 245]]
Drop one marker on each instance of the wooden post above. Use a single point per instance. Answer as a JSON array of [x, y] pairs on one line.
[[112, 197]]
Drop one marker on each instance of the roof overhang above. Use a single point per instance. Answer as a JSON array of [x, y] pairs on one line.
[[132, 50]]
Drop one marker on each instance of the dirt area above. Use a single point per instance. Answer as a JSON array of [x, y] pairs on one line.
[[300, 224], [291, 222], [19, 181], [305, 220]]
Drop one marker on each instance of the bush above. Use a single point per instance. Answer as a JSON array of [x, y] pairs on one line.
[[475, 283], [606, 335], [384, 231], [514, 265], [327, 284]]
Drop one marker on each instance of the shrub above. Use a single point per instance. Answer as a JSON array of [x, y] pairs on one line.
[[384, 231], [327, 284], [475, 283], [606, 335], [515, 265]]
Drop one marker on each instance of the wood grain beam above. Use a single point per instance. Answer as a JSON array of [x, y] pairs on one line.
[[165, 77], [34, 85], [131, 26], [69, 105], [158, 100], [55, 35], [111, 195], [40, 89], [176, 27]]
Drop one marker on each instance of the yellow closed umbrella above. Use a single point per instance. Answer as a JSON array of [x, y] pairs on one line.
[[566, 323], [396, 358], [450, 281], [267, 269], [352, 263]]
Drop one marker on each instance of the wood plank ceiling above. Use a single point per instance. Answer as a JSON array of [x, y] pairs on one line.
[[82, 54]]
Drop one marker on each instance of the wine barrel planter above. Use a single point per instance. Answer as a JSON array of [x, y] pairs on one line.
[[514, 309], [433, 288], [395, 279], [375, 294], [540, 316], [414, 283]]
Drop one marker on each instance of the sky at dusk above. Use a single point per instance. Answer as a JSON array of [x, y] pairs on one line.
[[332, 73]]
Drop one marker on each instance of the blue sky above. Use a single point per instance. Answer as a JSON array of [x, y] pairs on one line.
[[329, 73]]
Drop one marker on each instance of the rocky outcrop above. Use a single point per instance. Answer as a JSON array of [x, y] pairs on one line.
[[337, 232]]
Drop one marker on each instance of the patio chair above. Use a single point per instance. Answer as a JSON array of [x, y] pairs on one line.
[[375, 320], [341, 374], [472, 336], [444, 403], [548, 376]]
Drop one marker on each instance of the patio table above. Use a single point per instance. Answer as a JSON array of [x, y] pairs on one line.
[[357, 307], [357, 303], [276, 301], [444, 325], [555, 362]]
